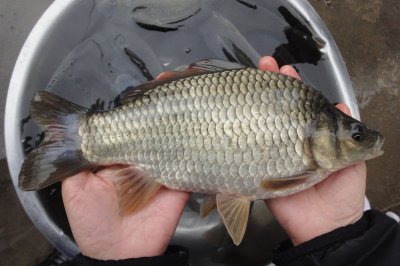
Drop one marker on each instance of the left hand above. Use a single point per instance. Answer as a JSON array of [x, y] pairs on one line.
[[99, 230]]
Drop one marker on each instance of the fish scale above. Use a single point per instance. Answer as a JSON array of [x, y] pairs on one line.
[[221, 132], [241, 134]]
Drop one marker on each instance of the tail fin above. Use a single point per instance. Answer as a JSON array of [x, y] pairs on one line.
[[59, 155]]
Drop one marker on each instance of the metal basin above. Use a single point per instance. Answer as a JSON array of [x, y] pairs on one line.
[[90, 51]]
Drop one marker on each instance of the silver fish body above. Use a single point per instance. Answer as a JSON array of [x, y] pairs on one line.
[[239, 134], [221, 132]]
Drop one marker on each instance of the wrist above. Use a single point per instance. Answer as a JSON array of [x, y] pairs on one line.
[[122, 249], [118, 252], [173, 255], [320, 226]]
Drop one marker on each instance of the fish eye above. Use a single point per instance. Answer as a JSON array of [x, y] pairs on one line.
[[358, 132]]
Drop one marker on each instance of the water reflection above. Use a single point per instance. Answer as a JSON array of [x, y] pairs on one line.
[[248, 4], [139, 63], [164, 15], [302, 46]]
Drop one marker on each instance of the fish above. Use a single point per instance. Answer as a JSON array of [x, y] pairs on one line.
[[236, 133]]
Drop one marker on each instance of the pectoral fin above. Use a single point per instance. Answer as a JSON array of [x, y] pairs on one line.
[[284, 183], [235, 214], [134, 189]]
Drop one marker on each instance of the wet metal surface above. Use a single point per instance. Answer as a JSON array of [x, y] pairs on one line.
[[366, 33]]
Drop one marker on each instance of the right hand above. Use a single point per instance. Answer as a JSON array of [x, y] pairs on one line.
[[334, 202]]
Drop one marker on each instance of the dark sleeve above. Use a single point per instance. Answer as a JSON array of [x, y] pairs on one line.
[[373, 240], [174, 256]]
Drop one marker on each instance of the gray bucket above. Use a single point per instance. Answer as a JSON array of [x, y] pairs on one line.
[[90, 51]]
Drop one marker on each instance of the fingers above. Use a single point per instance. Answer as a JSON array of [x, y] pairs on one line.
[[268, 63], [289, 71], [343, 107]]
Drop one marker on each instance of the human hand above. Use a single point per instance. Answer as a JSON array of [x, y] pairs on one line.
[[335, 202], [102, 233]]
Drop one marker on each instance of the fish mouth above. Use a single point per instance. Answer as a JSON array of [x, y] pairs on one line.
[[376, 148]]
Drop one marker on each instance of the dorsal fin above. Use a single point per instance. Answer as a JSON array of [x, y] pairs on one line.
[[198, 68], [133, 93], [215, 65]]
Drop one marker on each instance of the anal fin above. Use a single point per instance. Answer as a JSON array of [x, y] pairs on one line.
[[235, 214], [134, 189]]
